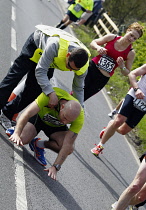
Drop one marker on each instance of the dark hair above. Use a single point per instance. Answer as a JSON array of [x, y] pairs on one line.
[[79, 56]]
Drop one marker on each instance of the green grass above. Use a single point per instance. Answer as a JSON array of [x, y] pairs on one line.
[[118, 82]]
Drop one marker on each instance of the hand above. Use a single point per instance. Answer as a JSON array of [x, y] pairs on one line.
[[53, 100], [52, 172], [102, 51], [120, 62], [16, 139], [139, 94]]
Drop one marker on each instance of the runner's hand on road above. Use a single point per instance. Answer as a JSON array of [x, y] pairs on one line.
[[52, 172], [16, 139]]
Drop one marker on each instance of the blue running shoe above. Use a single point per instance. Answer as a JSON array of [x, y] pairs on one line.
[[10, 131], [38, 152]]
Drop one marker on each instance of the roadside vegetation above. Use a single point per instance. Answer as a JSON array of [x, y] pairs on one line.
[[118, 85], [125, 11]]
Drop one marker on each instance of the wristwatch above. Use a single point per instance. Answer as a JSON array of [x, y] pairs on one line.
[[57, 166], [135, 89]]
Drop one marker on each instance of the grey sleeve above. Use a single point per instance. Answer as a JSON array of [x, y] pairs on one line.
[[49, 52], [78, 87]]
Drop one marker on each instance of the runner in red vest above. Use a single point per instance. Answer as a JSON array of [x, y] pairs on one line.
[[113, 51]]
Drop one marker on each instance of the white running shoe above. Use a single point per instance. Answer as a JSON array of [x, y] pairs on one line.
[[5, 122], [128, 208], [114, 205], [112, 113]]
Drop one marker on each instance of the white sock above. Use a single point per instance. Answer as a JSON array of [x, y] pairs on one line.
[[100, 144], [114, 110]]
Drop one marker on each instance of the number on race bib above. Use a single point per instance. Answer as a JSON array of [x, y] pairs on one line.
[[139, 104], [106, 63]]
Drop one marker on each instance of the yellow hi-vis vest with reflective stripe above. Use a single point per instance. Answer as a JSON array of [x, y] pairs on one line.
[[59, 62], [76, 8]]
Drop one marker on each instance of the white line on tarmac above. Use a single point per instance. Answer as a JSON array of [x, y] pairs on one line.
[[13, 39], [21, 201], [13, 16]]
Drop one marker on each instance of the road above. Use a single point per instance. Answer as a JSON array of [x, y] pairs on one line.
[[84, 181]]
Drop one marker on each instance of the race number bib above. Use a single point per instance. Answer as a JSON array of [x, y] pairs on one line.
[[106, 63], [139, 104], [77, 8], [53, 120]]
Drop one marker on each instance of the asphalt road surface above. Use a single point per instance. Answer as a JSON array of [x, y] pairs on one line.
[[84, 181]]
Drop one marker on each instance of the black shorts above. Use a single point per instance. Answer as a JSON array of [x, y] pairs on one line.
[[41, 126], [128, 110], [71, 16], [94, 81]]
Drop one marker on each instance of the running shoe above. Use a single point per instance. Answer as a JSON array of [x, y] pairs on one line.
[[132, 208], [97, 150], [38, 152], [58, 25], [10, 131], [114, 205], [5, 122], [128, 208], [112, 113], [75, 24], [102, 132]]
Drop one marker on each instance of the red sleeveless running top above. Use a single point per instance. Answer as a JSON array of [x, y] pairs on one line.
[[113, 53]]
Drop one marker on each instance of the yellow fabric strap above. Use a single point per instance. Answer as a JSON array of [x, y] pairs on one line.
[[36, 56]]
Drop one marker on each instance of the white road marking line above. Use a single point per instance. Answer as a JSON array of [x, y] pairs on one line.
[[21, 201], [13, 39], [13, 14]]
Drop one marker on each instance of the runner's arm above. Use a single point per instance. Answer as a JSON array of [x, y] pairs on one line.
[[30, 111], [97, 44], [44, 63], [128, 63], [42, 69], [67, 147]]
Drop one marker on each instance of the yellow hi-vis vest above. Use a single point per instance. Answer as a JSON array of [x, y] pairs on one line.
[[59, 62], [76, 8]]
